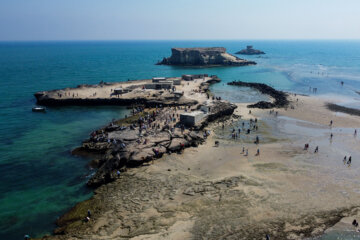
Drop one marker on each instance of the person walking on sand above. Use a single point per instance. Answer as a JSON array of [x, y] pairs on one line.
[[316, 149], [246, 153], [331, 123], [257, 140], [243, 150], [306, 147], [257, 152], [344, 160], [331, 136], [349, 161]]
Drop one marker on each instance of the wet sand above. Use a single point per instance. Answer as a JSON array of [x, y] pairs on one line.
[[218, 193]]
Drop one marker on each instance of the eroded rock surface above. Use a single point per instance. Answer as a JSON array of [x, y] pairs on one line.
[[146, 139]]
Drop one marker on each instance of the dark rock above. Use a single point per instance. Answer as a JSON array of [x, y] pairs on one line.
[[250, 51], [178, 144], [337, 108], [280, 98]]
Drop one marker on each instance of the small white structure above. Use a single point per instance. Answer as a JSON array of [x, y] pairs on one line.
[[192, 118], [188, 77], [177, 81], [159, 85], [118, 91], [158, 79]]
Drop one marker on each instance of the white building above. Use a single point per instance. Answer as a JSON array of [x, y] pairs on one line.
[[192, 118]]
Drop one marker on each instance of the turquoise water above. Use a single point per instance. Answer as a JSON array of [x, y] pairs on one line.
[[39, 177]]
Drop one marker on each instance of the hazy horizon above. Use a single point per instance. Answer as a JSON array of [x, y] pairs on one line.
[[138, 20]]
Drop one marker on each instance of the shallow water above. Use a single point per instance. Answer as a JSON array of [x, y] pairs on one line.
[[40, 179]]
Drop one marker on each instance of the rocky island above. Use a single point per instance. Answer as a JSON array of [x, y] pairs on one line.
[[250, 51], [212, 56]]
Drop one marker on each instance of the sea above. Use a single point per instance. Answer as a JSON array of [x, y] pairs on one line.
[[41, 180]]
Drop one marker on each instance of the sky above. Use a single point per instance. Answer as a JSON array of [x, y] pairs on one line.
[[32, 20]]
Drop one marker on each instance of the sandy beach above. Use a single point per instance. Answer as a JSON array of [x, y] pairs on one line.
[[214, 192]]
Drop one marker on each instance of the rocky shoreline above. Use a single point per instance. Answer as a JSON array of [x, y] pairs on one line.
[[152, 133]]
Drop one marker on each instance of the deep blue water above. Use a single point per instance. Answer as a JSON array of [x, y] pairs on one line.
[[39, 177]]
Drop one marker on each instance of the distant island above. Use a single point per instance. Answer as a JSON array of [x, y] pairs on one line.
[[250, 51], [213, 56]]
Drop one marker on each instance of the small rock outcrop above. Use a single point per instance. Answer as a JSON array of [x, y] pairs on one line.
[[250, 51], [212, 56]]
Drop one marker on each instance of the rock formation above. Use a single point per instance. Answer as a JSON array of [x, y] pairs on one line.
[[250, 51], [215, 56], [280, 98], [132, 145]]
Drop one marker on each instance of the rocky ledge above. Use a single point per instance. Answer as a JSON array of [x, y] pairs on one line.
[[250, 51], [280, 98], [213, 56], [144, 137]]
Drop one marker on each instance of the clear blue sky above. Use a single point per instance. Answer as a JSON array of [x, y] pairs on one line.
[[178, 19]]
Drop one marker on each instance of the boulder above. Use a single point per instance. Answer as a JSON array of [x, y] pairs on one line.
[[178, 144], [124, 135], [141, 156]]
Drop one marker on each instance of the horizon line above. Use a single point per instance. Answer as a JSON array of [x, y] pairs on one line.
[[153, 40]]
